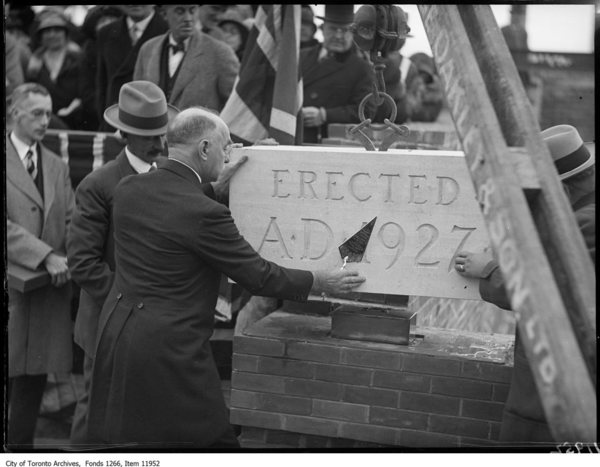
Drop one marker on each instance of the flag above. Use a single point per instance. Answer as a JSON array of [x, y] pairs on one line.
[[83, 151], [267, 95]]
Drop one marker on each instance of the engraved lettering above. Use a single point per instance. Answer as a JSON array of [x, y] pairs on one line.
[[308, 239], [435, 233], [307, 177], [332, 184], [388, 193], [397, 244], [279, 238], [415, 186], [277, 180], [448, 186], [352, 186]]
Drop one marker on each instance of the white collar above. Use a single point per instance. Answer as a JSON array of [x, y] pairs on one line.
[[183, 163], [322, 53], [138, 164], [140, 24], [21, 147], [185, 41]]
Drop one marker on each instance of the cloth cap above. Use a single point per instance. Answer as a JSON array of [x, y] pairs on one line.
[[142, 110], [571, 156], [52, 20]]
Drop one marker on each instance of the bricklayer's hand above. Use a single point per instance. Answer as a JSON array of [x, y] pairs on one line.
[[472, 264]]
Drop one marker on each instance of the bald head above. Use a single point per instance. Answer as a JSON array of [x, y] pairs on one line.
[[198, 137], [192, 125]]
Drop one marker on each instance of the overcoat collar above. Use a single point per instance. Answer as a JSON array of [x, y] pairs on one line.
[[189, 64], [181, 170]]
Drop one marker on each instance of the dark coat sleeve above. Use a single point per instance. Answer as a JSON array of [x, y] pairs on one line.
[[218, 241], [86, 240]]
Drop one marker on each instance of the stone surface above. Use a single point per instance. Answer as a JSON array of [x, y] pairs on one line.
[[296, 205]]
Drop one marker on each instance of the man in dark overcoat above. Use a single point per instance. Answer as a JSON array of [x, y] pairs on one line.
[[155, 383], [118, 44], [39, 204], [524, 419], [334, 77]]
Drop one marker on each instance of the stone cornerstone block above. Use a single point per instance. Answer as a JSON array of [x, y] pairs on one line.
[[296, 205], [443, 389]]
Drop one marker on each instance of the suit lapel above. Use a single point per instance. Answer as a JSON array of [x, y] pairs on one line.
[[18, 176], [123, 165], [189, 66], [154, 60]]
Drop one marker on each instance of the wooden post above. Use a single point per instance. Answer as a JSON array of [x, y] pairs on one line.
[[529, 228]]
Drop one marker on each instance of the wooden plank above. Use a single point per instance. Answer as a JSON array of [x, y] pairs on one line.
[[25, 280], [296, 205], [562, 380], [551, 210]]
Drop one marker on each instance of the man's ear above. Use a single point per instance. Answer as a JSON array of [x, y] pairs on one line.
[[203, 147]]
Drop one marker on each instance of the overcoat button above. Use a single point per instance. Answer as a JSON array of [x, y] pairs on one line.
[[140, 305], [119, 296], [313, 95], [34, 209]]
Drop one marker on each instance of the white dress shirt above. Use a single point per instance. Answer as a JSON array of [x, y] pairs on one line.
[[175, 58], [138, 164], [22, 148]]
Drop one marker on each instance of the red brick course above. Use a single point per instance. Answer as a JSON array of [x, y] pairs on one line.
[[308, 390]]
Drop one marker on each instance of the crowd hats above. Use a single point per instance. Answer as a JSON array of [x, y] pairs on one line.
[[52, 20], [142, 110], [571, 156], [340, 14]]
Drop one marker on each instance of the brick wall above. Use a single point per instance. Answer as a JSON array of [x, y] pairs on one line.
[[294, 386]]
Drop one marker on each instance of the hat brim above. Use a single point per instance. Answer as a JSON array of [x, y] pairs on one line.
[[111, 115], [336, 20], [591, 147]]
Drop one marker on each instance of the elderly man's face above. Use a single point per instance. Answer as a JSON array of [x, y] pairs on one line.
[[218, 152], [337, 37], [31, 117], [181, 19]]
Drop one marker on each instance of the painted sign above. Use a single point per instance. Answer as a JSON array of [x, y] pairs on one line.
[[297, 205]]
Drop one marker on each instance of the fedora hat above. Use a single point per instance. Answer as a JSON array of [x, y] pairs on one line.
[[340, 14], [571, 156], [142, 110]]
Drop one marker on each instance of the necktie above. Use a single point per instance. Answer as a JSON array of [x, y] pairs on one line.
[[134, 33], [31, 169], [175, 48]]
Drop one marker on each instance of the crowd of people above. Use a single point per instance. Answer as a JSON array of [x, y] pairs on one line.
[[147, 236], [194, 54]]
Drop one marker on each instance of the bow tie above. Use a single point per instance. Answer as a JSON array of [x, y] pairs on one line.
[[177, 48]]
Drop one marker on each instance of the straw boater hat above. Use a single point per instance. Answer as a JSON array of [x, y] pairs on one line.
[[571, 156], [142, 110]]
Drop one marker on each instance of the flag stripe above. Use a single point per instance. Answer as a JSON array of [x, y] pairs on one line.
[[267, 94]]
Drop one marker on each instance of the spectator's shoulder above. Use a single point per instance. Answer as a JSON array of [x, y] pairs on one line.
[[55, 160], [153, 42], [109, 30]]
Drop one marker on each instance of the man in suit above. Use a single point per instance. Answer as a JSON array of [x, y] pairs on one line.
[[39, 203], [90, 244], [192, 68], [118, 45], [155, 382], [335, 79]]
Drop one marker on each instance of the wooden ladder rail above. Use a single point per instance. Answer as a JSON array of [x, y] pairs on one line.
[[549, 275]]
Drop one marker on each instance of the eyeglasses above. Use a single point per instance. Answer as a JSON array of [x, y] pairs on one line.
[[230, 147]]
